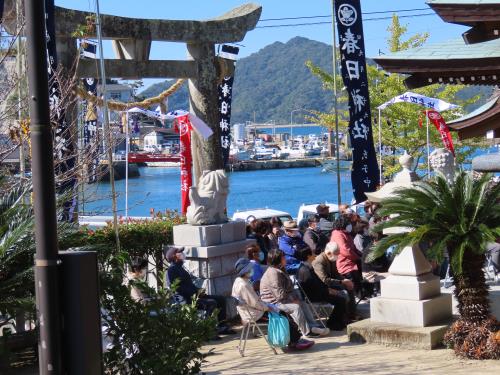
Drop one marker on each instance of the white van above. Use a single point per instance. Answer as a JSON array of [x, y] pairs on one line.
[[310, 209], [261, 213]]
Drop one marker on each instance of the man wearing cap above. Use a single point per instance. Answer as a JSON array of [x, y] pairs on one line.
[[313, 236], [186, 288], [325, 226], [289, 243]]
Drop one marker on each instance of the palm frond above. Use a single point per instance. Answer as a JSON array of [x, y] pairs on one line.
[[459, 217]]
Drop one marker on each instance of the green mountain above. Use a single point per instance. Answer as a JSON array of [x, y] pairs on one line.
[[272, 82]]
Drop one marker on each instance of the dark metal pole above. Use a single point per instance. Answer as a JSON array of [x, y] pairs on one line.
[[335, 104], [42, 167]]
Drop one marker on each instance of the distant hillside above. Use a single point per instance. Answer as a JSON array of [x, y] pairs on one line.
[[272, 82]]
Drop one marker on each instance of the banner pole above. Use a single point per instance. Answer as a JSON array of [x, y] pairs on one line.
[[337, 145], [428, 147], [127, 150], [380, 144]]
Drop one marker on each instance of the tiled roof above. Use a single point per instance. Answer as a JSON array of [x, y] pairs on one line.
[[455, 49], [484, 108]]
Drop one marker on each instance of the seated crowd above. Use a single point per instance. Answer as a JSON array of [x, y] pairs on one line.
[[288, 271], [325, 262]]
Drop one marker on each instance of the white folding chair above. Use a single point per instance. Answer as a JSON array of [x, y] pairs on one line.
[[448, 279], [490, 269], [248, 325]]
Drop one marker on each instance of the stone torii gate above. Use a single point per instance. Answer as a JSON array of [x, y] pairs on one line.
[[132, 38]]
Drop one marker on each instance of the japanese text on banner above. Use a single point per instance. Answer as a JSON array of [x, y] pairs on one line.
[[365, 170]]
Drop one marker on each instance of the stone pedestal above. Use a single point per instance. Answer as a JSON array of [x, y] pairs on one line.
[[212, 251], [411, 310], [411, 295]]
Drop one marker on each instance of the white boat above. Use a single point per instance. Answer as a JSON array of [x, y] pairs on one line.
[[163, 164], [295, 152], [237, 153], [262, 153], [330, 166]]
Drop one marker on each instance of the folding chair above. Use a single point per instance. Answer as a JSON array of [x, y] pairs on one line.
[[490, 269], [448, 279], [314, 306], [248, 325]]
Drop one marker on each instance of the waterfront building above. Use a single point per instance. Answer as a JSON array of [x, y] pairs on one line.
[[239, 132]]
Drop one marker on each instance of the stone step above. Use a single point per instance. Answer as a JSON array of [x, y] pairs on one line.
[[368, 331]]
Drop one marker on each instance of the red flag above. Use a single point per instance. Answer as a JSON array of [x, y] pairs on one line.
[[443, 129], [183, 127], [420, 121]]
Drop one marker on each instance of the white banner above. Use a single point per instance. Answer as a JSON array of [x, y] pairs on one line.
[[198, 124], [414, 98]]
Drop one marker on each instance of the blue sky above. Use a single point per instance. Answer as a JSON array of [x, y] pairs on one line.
[[375, 30]]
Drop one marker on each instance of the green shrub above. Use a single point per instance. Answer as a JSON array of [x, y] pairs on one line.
[[154, 337]]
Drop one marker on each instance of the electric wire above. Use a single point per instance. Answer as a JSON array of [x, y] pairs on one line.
[[329, 16], [329, 22]]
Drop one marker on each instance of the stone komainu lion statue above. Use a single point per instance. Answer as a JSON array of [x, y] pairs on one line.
[[442, 161], [208, 199]]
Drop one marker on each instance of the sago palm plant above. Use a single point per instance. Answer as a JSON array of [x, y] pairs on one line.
[[458, 219]]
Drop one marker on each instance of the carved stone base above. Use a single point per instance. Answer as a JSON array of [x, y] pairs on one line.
[[212, 251]]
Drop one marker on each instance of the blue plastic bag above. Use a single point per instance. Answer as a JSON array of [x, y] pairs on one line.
[[278, 330]]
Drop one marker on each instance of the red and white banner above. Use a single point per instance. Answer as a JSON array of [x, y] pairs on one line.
[[443, 129], [183, 127]]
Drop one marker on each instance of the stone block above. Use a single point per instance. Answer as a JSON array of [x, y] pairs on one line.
[[227, 263], [223, 285], [194, 266], [197, 235], [214, 268], [232, 231], [236, 247], [411, 313], [368, 331], [410, 287]]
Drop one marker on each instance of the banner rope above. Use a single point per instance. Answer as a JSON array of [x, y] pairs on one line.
[[121, 106]]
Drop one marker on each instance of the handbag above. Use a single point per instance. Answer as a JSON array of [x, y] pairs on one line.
[[278, 330]]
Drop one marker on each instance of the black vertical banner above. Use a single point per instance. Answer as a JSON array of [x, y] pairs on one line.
[[90, 134], [1, 10], [365, 172], [225, 96], [63, 144]]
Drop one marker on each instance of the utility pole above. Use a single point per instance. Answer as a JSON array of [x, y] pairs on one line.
[[19, 70], [337, 151], [107, 130], [46, 271]]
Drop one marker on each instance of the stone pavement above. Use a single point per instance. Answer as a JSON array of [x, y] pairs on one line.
[[335, 355]]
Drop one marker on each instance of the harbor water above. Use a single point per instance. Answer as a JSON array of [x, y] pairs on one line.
[[282, 189]]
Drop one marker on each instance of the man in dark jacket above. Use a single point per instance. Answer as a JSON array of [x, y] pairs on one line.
[[317, 291], [326, 269], [313, 237], [186, 288]]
